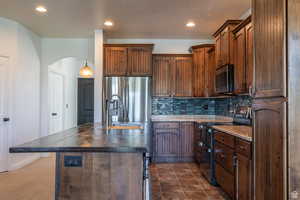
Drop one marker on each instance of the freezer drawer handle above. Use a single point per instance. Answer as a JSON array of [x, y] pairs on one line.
[[6, 119]]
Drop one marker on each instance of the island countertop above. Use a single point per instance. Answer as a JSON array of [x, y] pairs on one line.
[[90, 138]]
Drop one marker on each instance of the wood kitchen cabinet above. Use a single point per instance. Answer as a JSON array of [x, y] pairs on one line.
[[224, 43], [269, 119], [115, 61], [173, 141], [233, 158], [204, 70], [172, 75], [128, 59], [243, 57]]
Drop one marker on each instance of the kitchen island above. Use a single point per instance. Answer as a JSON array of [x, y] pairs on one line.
[[96, 163]]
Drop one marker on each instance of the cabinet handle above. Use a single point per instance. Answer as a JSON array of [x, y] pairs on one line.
[[236, 177], [242, 147]]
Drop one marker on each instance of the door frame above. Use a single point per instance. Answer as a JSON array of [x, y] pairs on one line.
[[9, 137], [63, 99]]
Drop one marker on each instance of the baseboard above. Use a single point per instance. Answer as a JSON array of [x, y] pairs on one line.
[[24, 162]]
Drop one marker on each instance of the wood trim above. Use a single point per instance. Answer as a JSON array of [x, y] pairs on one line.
[[242, 24], [129, 45], [202, 46], [228, 22]]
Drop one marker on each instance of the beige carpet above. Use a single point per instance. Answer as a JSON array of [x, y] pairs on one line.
[[33, 182]]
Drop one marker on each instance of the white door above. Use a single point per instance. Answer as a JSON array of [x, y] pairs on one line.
[[56, 102], [4, 118]]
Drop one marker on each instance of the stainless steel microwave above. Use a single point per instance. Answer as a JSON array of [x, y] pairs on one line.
[[225, 79]]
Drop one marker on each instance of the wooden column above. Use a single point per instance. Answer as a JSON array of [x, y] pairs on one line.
[[270, 97]]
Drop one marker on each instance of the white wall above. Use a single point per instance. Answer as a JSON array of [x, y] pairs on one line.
[[165, 45], [53, 50], [69, 69], [23, 49]]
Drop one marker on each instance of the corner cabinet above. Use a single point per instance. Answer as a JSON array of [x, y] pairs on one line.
[[128, 59], [173, 141], [172, 75], [204, 70], [224, 43], [243, 57]]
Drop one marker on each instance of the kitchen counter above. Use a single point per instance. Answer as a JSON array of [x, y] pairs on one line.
[[89, 138], [115, 159], [191, 118], [243, 132]]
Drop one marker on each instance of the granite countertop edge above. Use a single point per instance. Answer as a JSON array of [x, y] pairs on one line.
[[233, 133]]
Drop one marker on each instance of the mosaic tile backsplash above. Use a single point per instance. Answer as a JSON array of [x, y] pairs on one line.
[[197, 106]]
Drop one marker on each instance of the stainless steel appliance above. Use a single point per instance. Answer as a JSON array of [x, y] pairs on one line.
[[225, 79], [127, 100]]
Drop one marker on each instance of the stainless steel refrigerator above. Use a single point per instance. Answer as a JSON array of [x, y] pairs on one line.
[[127, 100]]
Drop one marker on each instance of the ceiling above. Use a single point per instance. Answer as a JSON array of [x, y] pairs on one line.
[[132, 18]]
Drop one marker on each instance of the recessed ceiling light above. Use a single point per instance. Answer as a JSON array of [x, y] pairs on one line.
[[41, 9], [108, 23], [190, 24]]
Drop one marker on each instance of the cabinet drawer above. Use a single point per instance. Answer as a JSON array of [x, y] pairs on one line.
[[243, 147], [225, 180], [225, 156], [224, 138], [167, 125]]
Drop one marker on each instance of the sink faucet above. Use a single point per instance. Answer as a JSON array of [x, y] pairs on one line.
[[115, 110]]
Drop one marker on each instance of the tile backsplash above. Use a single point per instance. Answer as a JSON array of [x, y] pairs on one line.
[[197, 106]]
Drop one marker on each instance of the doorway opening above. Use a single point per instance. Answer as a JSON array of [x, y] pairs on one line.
[[70, 97]]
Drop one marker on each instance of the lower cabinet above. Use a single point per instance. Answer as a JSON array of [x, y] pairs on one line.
[[173, 141], [233, 165], [243, 177], [225, 180]]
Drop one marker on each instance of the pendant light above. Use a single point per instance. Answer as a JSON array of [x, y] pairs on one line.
[[86, 71]]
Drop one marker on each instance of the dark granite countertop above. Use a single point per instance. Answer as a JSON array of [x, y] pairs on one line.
[[90, 138]]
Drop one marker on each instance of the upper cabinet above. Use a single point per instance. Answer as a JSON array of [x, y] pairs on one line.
[[204, 70], [172, 75], [243, 57], [128, 59], [224, 43]]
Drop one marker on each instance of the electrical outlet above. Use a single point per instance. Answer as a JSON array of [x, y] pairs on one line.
[[73, 161]]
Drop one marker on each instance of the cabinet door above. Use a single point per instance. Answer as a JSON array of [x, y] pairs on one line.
[[184, 77], [210, 72], [139, 61], [225, 180], [115, 61], [166, 144], [199, 69], [239, 63], [270, 48], [225, 47], [218, 51], [243, 178], [249, 56], [161, 76], [187, 140], [269, 148]]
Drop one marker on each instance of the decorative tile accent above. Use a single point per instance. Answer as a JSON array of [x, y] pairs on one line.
[[197, 106]]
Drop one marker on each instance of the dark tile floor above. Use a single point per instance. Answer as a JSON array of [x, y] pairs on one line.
[[181, 181]]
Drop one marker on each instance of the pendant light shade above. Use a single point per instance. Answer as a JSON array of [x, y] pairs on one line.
[[86, 71]]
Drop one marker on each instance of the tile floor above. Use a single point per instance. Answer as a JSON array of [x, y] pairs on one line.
[[181, 181]]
